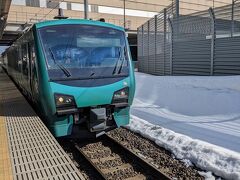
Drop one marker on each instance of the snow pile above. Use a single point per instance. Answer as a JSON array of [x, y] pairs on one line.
[[207, 175], [190, 95], [196, 118], [205, 108], [220, 161]]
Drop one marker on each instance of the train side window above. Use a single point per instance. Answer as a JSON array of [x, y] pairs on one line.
[[32, 59], [18, 55], [9, 58], [5, 59], [25, 59], [1, 61], [32, 54]]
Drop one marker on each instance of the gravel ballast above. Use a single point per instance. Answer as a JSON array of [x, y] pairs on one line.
[[154, 154]]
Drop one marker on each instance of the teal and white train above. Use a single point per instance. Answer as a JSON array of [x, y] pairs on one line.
[[78, 73]]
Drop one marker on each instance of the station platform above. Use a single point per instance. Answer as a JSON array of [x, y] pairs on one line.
[[27, 148]]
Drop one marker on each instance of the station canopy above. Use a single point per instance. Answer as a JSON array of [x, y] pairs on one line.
[[6, 37]]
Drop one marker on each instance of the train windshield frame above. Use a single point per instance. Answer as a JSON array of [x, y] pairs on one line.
[[80, 51]]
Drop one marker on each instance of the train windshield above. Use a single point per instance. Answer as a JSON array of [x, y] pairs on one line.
[[84, 51]]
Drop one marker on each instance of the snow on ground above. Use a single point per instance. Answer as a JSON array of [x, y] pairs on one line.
[[220, 161], [203, 108]]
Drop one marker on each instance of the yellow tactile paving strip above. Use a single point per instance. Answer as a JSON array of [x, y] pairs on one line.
[[5, 160], [28, 151]]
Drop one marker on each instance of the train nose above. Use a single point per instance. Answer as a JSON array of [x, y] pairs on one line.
[[98, 119]]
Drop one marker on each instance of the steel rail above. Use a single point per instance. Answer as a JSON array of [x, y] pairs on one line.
[[91, 162], [144, 165]]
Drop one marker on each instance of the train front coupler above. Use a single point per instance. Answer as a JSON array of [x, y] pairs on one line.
[[97, 120]]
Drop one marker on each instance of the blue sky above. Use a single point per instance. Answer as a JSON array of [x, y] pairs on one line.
[[2, 48]]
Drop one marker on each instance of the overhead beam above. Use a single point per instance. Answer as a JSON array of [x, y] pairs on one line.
[[4, 9], [85, 9], [8, 38]]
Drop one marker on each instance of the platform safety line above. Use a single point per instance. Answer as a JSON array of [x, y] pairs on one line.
[[5, 159]]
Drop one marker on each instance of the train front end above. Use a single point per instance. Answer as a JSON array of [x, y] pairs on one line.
[[87, 76]]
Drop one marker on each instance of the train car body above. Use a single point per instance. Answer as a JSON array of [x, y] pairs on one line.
[[78, 73]]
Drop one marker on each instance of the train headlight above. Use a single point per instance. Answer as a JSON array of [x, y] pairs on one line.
[[121, 96], [63, 100]]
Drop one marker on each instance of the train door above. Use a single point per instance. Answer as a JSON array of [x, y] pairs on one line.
[[18, 65], [25, 66], [33, 78], [29, 68]]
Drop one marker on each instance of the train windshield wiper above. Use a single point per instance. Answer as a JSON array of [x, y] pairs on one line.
[[64, 70], [123, 60], [117, 62]]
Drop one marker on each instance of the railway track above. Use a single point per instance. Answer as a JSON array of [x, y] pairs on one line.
[[114, 161]]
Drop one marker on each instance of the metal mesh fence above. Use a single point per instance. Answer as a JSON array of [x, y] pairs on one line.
[[202, 43], [160, 37], [191, 51], [154, 43], [227, 42]]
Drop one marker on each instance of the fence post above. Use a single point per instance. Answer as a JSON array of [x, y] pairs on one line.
[[177, 17], [138, 48], [232, 18], [171, 45], [140, 62], [142, 40], [148, 23], [164, 37], [155, 38], [177, 8], [213, 34]]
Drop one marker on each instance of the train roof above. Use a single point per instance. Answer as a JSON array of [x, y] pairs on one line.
[[76, 21]]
